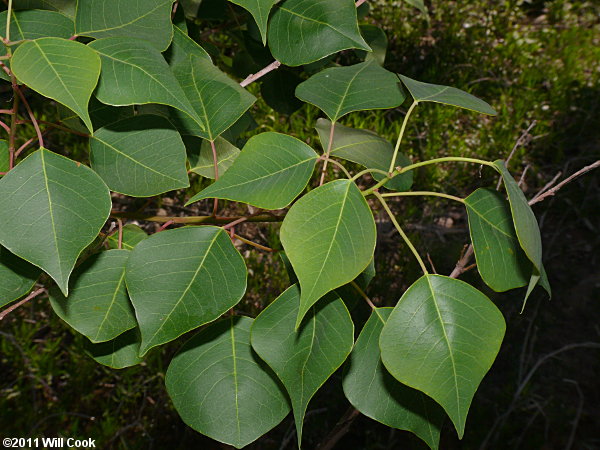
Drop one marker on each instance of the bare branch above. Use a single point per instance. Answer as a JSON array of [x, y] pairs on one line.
[[255, 76], [10, 309], [555, 189]]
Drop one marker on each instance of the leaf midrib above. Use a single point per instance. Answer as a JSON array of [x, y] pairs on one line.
[[51, 212]]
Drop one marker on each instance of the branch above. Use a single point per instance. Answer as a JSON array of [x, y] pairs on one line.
[[462, 264], [340, 429], [541, 196], [255, 76], [10, 309], [30, 113], [211, 220]]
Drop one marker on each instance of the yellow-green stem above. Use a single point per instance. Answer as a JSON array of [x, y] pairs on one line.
[[423, 193], [399, 141]]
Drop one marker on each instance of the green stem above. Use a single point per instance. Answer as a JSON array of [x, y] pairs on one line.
[[429, 193], [340, 165], [410, 110], [366, 171], [8, 15], [326, 159], [404, 236], [363, 295]]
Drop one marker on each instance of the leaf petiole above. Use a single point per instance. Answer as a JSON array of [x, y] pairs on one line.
[[424, 193]]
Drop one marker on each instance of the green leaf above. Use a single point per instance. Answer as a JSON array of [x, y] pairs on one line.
[[500, 260], [375, 393], [118, 353], [329, 237], [278, 90], [34, 24], [181, 279], [200, 155], [303, 360], [135, 73], [98, 306], [304, 31], [365, 148], [220, 387], [132, 236], [526, 227], [182, 47], [142, 156], [338, 91], [441, 339], [419, 4], [215, 97], [149, 20], [17, 277], [377, 40], [270, 172], [67, 7], [101, 115], [260, 11], [58, 207], [425, 92], [4, 156], [63, 70]]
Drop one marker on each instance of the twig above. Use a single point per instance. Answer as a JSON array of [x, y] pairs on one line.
[[120, 241], [31, 116], [10, 309], [338, 164], [548, 185], [211, 220], [577, 415], [340, 429], [255, 76], [28, 143], [57, 126], [462, 264], [518, 143], [235, 222], [551, 192], [522, 179], [360, 2], [6, 127], [431, 263], [362, 294], [254, 244]]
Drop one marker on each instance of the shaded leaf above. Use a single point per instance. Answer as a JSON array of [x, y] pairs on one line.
[[329, 237], [98, 306], [500, 260], [53, 237], [142, 156], [338, 91], [17, 277], [118, 353], [132, 236], [270, 172], [376, 38], [135, 73], [63, 70], [200, 155], [183, 278], [4, 157], [419, 4], [217, 99], [260, 11], [221, 389], [149, 20], [67, 7], [278, 90], [303, 360], [442, 338], [425, 92], [100, 114], [304, 31], [182, 47], [367, 149], [375, 393]]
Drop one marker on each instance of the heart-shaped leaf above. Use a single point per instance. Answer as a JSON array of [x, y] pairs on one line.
[[17, 277], [425, 92], [304, 31], [220, 387], [304, 359], [118, 353], [98, 306], [200, 155], [217, 99], [270, 172], [141, 156], [132, 236], [63, 70], [260, 10], [375, 393], [135, 73], [338, 91], [65, 220], [366, 148], [441, 339], [329, 237], [181, 279], [149, 20], [500, 260]]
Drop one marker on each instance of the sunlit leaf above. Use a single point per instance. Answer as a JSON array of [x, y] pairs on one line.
[[270, 172], [304, 31], [329, 237], [66, 219], [183, 278], [442, 338], [66, 71], [338, 91], [142, 156], [98, 306], [221, 388], [375, 393], [304, 359], [182, 47]]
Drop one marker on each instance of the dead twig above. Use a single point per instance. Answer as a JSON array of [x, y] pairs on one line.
[[550, 192]]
